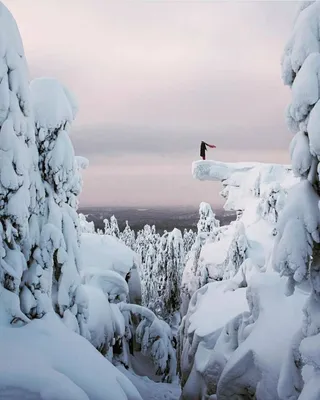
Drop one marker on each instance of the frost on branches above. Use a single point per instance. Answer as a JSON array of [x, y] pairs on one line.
[[297, 251], [54, 111]]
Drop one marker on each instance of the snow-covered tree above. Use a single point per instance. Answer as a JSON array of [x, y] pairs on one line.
[[85, 226], [189, 238], [237, 251], [107, 227], [146, 246], [167, 274], [149, 269], [207, 221], [114, 228], [155, 337], [54, 111], [297, 248], [21, 189], [128, 236], [272, 202], [196, 274]]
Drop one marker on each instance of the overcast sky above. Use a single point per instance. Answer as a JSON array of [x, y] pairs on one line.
[[154, 78]]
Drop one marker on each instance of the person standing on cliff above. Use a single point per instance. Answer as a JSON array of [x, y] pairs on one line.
[[203, 149]]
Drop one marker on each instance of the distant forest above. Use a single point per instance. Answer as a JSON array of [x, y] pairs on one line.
[[163, 218]]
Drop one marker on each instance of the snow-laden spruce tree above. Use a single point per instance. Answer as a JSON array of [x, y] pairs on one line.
[[107, 228], [128, 236], [297, 248], [85, 226], [146, 246], [189, 238], [272, 202], [114, 227], [237, 251], [149, 294], [54, 111], [167, 275], [207, 221], [21, 190], [195, 274]]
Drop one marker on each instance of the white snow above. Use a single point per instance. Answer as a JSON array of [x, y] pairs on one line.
[[106, 253], [50, 114], [149, 390], [50, 362]]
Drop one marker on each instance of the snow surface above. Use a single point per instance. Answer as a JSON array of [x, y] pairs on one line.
[[149, 390], [227, 304], [50, 362]]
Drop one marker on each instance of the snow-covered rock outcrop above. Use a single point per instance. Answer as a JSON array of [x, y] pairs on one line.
[[238, 326]]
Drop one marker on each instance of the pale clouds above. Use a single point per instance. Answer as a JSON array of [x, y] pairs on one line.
[[153, 78]]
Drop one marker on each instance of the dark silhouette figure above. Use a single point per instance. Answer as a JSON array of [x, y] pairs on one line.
[[203, 149]]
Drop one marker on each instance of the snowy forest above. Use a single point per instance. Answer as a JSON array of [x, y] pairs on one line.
[[223, 312]]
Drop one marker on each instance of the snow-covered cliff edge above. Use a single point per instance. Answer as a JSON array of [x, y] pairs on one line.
[[238, 326]]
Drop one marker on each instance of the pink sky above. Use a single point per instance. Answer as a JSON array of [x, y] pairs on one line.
[[154, 78]]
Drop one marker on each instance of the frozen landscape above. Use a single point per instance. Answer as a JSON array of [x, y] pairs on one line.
[[211, 309]]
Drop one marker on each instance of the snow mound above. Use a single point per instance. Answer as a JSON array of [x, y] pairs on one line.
[[64, 365], [106, 253]]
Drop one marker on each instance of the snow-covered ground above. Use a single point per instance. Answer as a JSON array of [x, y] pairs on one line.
[[151, 390]]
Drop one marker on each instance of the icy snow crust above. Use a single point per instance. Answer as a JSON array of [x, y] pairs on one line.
[[237, 331]]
